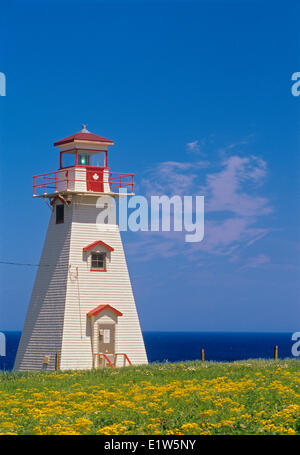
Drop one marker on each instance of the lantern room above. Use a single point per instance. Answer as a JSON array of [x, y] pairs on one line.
[[83, 149], [83, 168]]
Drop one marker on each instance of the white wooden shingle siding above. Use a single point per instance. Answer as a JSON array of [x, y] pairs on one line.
[[65, 290]]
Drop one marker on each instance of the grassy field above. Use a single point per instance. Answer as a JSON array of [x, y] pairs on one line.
[[249, 397]]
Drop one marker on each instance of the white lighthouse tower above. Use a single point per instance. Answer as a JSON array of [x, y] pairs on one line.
[[82, 312]]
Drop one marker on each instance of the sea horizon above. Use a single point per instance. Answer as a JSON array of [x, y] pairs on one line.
[[179, 346]]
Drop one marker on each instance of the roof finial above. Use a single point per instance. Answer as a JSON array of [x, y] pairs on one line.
[[84, 130]]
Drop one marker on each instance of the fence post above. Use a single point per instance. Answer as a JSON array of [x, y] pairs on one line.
[[276, 352], [57, 361], [202, 355]]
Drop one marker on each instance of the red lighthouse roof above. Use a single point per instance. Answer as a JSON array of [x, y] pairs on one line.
[[85, 136]]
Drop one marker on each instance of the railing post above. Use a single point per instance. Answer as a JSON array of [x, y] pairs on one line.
[[56, 173], [34, 185], [45, 184]]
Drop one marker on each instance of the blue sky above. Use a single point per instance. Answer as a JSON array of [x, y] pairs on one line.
[[197, 97]]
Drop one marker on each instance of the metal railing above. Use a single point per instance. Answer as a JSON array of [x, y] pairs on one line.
[[53, 182], [113, 363], [117, 180]]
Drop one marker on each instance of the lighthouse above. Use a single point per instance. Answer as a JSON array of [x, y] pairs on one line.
[[82, 313]]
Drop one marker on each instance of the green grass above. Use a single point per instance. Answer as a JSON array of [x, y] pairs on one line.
[[249, 397]]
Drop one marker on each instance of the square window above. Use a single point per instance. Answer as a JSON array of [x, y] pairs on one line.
[[60, 213], [99, 261]]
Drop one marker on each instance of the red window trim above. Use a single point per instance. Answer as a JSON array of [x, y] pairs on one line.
[[98, 270]]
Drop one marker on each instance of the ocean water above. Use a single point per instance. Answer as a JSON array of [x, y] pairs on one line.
[[180, 346]]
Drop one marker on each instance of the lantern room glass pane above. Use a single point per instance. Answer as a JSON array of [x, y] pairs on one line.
[[68, 159], [97, 159], [84, 159]]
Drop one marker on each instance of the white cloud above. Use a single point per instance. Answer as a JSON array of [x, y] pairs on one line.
[[227, 190], [233, 205], [193, 146], [172, 177], [256, 261]]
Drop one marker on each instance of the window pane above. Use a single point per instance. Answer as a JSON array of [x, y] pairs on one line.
[[60, 213], [68, 159], [98, 260], [97, 159]]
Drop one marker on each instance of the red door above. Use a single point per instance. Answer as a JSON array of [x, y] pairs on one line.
[[94, 179]]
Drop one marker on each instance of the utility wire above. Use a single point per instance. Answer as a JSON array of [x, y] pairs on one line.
[[18, 263], [31, 265]]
